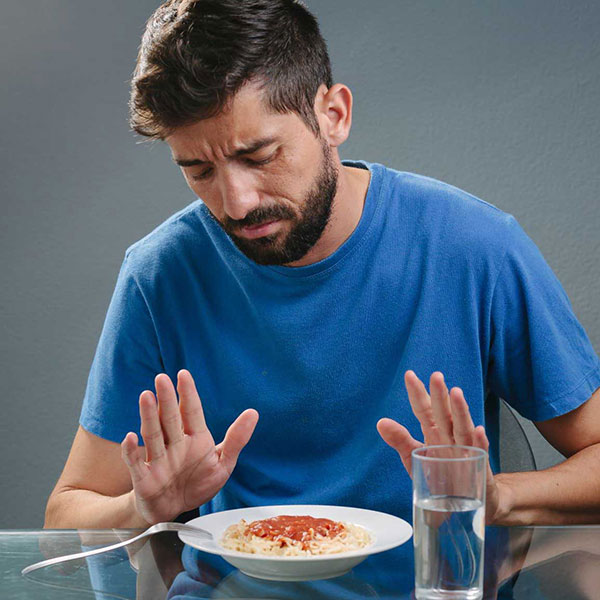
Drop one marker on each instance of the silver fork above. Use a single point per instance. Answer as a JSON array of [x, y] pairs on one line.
[[190, 529]]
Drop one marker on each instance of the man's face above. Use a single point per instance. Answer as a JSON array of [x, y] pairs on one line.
[[264, 176]]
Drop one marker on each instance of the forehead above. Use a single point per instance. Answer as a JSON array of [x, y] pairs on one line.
[[246, 117]]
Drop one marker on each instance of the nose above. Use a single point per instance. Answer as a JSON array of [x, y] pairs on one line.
[[239, 193]]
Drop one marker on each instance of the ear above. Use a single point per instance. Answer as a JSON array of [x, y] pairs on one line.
[[333, 107]]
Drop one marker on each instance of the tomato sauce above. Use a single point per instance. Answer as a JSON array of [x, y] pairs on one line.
[[299, 528]]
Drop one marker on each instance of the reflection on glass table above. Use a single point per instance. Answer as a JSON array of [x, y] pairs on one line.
[[533, 563]]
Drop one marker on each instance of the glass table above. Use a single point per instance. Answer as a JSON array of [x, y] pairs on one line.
[[533, 563]]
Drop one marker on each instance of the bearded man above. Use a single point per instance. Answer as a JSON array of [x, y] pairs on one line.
[[320, 293]]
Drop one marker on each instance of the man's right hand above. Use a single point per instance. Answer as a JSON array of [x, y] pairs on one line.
[[180, 468]]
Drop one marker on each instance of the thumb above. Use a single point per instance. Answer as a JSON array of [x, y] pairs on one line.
[[237, 436], [398, 437]]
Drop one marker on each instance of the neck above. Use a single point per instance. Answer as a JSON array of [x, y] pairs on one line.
[[352, 186]]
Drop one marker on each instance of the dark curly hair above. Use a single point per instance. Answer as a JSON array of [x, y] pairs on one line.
[[196, 54]]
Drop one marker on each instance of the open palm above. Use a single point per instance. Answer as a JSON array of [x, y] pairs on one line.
[[180, 467], [445, 419]]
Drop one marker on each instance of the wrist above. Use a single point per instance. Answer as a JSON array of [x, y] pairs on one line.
[[506, 501], [137, 521]]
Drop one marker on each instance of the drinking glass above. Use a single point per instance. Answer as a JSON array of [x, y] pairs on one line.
[[449, 521]]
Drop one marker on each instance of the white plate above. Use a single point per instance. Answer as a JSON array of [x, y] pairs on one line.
[[386, 532]]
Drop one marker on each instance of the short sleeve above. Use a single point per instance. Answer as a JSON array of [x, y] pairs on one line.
[[541, 360], [126, 361]]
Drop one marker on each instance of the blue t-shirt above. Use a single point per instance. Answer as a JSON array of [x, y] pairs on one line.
[[432, 279]]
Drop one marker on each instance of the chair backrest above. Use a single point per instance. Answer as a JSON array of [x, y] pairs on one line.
[[515, 450]]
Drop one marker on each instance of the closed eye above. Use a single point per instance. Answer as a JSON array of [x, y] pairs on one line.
[[252, 162], [259, 162], [204, 175]]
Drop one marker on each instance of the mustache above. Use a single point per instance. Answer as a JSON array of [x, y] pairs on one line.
[[259, 215]]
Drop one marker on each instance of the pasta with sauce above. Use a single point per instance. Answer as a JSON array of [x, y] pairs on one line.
[[287, 535]]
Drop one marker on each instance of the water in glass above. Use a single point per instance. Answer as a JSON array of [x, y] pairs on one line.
[[449, 534]]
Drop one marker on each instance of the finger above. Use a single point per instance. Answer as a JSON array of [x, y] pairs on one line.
[[168, 410], [421, 407], [133, 457], [461, 416], [440, 403], [480, 440], [237, 436], [151, 430], [398, 437], [190, 405]]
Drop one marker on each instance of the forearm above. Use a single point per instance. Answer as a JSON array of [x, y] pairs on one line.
[[85, 509], [568, 493]]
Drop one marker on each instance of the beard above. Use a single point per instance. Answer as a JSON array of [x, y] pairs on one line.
[[306, 227]]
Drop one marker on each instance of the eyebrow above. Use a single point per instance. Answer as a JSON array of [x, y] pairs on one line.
[[249, 149]]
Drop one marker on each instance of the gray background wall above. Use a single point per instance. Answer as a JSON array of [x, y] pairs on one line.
[[498, 98]]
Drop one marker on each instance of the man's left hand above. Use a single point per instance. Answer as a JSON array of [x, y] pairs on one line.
[[445, 419]]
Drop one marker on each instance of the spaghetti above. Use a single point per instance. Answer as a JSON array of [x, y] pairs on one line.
[[296, 535]]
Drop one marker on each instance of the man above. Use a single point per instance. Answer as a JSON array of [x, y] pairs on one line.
[[320, 292]]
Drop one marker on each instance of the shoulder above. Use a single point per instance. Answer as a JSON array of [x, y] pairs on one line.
[[176, 240], [437, 214], [426, 197]]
